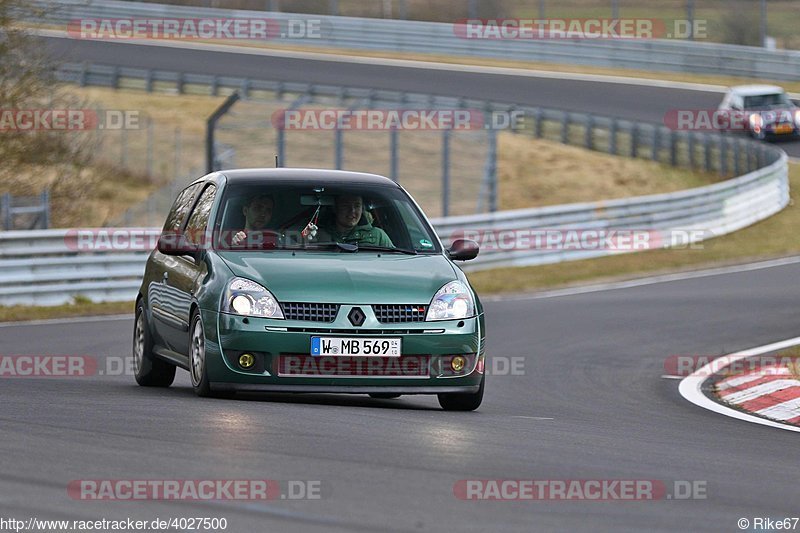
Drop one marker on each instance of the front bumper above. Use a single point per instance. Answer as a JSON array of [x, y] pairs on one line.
[[434, 343]]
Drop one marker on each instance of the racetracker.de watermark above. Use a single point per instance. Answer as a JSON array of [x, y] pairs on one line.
[[726, 366], [579, 489], [728, 119], [178, 29], [395, 119], [614, 240], [579, 28], [44, 119], [194, 489]]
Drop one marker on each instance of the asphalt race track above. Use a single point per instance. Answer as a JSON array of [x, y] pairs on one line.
[[635, 102], [590, 402], [590, 405]]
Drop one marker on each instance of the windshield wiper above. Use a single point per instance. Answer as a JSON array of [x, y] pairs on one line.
[[387, 249], [341, 246]]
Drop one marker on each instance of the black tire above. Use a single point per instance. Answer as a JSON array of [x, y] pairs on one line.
[[149, 370], [198, 370], [462, 402], [384, 395]]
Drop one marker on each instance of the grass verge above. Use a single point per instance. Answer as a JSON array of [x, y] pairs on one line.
[[16, 313]]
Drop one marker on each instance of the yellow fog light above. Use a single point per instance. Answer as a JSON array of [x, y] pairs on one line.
[[246, 361], [457, 364]]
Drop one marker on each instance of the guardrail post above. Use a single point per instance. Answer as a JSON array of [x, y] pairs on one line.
[[445, 172], [115, 78], [589, 138], [5, 204], [723, 155], [180, 82], [690, 148], [751, 157], [565, 128], [737, 160], [673, 149], [148, 80], [491, 170], [634, 140], [215, 86], [707, 152], [244, 88], [539, 116], [338, 147], [656, 144], [84, 74], [612, 136], [393, 133], [45, 209]]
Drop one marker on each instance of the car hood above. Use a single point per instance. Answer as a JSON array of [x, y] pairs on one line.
[[344, 278]]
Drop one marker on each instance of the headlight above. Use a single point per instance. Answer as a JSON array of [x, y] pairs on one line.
[[451, 302], [797, 117], [248, 298]]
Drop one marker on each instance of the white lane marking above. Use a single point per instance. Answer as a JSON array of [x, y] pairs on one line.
[[691, 386], [73, 320], [679, 276], [783, 411], [670, 376], [751, 393], [413, 63], [533, 417]]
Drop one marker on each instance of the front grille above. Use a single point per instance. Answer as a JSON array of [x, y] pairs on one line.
[[395, 314], [356, 332], [310, 312]]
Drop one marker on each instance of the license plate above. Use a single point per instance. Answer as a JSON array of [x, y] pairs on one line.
[[355, 346], [783, 128]]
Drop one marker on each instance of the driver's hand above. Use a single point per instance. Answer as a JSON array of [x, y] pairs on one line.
[[238, 238]]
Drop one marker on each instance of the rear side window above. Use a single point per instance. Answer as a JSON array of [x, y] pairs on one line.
[[198, 221], [181, 206]]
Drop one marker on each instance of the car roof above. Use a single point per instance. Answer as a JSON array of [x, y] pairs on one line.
[[304, 175], [755, 90]]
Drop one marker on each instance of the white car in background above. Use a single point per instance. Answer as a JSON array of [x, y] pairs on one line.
[[768, 111]]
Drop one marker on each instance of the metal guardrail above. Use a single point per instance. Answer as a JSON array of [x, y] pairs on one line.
[[25, 212], [44, 267], [441, 38]]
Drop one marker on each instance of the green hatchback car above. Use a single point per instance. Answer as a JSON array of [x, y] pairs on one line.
[[304, 280]]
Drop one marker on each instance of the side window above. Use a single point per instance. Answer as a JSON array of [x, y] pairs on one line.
[[198, 221], [180, 208]]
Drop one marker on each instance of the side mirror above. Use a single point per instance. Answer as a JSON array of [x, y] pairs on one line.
[[463, 250], [177, 244]]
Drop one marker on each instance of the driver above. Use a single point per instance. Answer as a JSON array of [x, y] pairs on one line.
[[257, 215], [348, 210]]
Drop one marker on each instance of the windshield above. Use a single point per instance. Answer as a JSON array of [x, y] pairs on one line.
[[766, 101], [319, 216]]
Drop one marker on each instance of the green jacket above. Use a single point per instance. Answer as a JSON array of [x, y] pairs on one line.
[[366, 234]]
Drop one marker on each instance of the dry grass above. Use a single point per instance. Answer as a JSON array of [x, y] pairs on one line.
[[531, 172], [16, 313], [541, 172]]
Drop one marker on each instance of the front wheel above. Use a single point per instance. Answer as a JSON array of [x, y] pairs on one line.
[[198, 368], [149, 370], [462, 401]]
